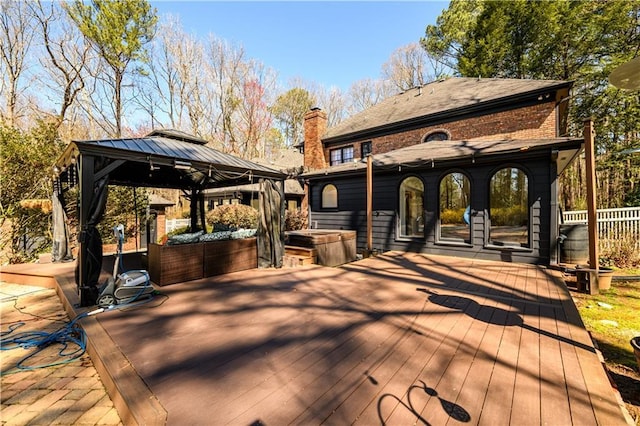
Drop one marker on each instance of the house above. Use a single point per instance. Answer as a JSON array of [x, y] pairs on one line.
[[286, 160], [462, 167]]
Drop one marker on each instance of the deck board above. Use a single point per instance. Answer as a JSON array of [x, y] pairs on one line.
[[395, 339]]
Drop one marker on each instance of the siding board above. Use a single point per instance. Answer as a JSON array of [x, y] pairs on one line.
[[351, 212]]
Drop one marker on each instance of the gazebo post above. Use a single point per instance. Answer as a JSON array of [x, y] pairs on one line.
[[369, 204], [86, 181], [193, 209], [592, 219], [203, 216]]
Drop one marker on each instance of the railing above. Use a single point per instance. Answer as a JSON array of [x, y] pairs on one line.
[[173, 224], [614, 225]]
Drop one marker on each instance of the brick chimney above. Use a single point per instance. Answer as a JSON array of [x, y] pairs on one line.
[[315, 125]]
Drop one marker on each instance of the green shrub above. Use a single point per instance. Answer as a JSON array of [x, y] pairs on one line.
[[25, 173], [233, 216]]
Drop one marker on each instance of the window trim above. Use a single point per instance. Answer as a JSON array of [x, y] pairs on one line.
[[342, 157], [322, 199], [399, 235], [434, 132], [362, 145], [454, 241], [491, 243]]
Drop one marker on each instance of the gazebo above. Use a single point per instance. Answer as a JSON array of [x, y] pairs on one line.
[[162, 159]]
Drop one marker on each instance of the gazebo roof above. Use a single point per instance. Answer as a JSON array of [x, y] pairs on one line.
[[165, 159]]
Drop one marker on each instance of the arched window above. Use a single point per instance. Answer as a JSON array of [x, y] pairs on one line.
[[509, 207], [329, 197], [455, 208], [438, 135], [411, 208]]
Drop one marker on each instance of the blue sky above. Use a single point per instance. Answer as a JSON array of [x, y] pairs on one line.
[[332, 43]]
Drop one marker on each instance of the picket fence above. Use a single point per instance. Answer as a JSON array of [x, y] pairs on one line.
[[173, 224], [614, 225]]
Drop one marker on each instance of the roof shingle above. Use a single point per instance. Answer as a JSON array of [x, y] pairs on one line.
[[438, 98]]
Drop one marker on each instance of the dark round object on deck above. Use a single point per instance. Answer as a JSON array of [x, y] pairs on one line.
[[635, 343], [575, 247]]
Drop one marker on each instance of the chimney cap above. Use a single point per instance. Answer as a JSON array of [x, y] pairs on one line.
[[316, 108]]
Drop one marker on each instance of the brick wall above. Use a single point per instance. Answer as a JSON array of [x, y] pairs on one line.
[[128, 245], [532, 122]]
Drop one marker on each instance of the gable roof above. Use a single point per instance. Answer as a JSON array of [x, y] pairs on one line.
[[282, 159], [431, 154], [437, 100], [168, 159]]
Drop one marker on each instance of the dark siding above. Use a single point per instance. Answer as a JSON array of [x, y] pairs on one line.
[[351, 212]]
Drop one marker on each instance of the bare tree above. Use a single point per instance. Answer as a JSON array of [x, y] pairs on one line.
[[255, 119], [411, 66], [225, 70], [65, 56], [163, 93], [16, 35], [366, 93], [333, 102]]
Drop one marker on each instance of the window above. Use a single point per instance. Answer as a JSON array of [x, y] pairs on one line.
[[341, 155], [411, 208], [455, 209], [439, 135], [509, 208], [365, 149], [329, 197]]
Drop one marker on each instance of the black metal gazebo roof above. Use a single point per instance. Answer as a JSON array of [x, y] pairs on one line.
[[165, 159]]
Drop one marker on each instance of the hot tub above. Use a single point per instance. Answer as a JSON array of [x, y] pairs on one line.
[[334, 247]]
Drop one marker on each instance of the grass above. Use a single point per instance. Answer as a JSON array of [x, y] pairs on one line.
[[613, 327], [612, 319]]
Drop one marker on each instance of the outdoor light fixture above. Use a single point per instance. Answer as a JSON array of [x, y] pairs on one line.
[[182, 165], [627, 75]]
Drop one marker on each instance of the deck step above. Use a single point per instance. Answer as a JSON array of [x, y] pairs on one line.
[[294, 261], [300, 251]]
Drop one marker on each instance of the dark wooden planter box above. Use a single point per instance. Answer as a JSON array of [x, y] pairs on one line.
[[187, 262], [223, 257], [175, 264], [334, 247]]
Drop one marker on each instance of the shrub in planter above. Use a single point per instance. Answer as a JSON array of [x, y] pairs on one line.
[[295, 220], [233, 216]]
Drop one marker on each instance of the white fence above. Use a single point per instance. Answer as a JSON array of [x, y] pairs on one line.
[[614, 225], [173, 224]]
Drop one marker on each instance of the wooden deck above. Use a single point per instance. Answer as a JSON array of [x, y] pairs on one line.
[[396, 339]]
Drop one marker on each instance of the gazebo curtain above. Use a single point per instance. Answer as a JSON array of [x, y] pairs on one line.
[[61, 250], [89, 263], [270, 227]]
